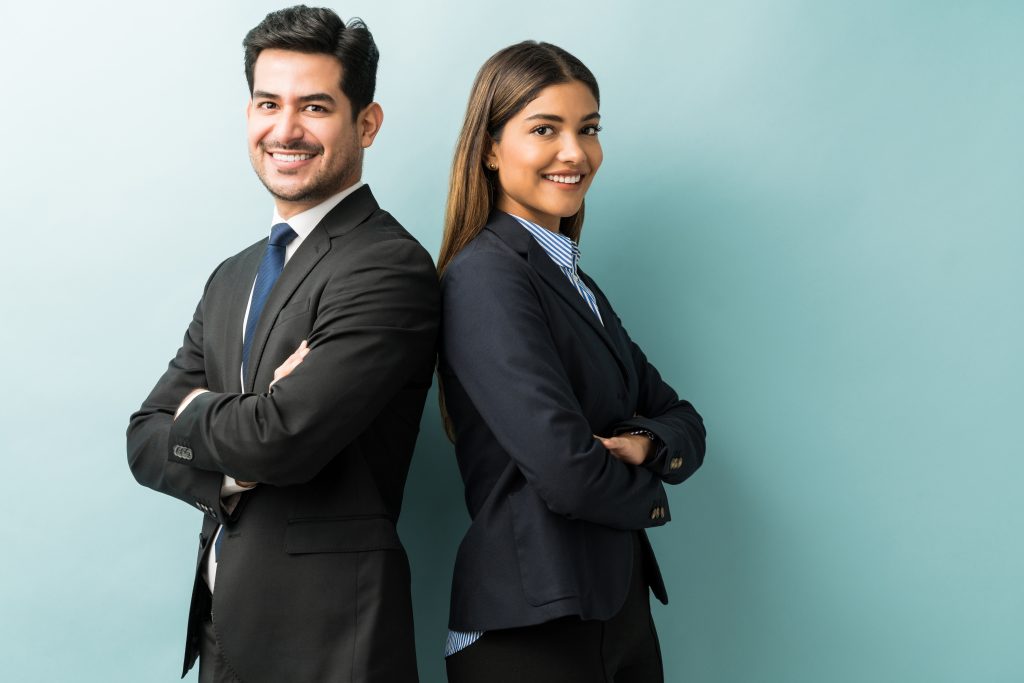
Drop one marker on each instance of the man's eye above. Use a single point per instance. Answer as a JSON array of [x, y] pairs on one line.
[[316, 108], [266, 105]]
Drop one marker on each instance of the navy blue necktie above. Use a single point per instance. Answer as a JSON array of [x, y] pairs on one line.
[[270, 269]]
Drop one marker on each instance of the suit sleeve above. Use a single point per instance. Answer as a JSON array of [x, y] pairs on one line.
[[149, 428], [679, 428], [497, 343], [375, 329]]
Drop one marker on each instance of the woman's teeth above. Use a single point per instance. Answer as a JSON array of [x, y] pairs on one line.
[[567, 179]]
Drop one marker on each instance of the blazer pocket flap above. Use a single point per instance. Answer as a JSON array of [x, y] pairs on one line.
[[293, 309], [343, 535]]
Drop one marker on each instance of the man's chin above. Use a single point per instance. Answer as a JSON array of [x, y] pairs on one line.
[[295, 194], [309, 191]]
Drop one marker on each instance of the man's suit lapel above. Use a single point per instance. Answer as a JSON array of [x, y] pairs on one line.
[[519, 239], [302, 261], [236, 313], [352, 211]]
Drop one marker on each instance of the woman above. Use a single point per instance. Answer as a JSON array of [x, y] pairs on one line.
[[564, 433]]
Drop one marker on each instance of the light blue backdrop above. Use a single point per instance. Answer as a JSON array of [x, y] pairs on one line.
[[810, 215]]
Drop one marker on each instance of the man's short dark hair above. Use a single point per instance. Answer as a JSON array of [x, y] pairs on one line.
[[318, 30]]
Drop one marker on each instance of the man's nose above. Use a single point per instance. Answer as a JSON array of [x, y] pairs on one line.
[[288, 127]]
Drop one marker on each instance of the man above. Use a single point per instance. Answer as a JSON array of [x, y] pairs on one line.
[[289, 414]]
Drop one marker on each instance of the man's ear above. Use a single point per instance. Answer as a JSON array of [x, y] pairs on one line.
[[368, 124]]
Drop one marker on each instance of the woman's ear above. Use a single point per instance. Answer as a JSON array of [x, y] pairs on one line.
[[490, 157]]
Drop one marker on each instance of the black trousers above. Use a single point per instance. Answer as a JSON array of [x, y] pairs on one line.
[[623, 649], [212, 666]]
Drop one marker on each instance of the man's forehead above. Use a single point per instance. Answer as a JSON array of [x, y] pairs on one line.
[[277, 69]]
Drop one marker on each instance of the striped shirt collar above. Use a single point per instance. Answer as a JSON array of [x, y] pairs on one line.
[[566, 255], [562, 250]]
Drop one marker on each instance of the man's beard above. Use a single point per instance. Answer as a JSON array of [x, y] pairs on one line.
[[325, 183]]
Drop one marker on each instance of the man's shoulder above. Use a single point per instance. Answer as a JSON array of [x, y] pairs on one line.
[[381, 225], [237, 263], [380, 233]]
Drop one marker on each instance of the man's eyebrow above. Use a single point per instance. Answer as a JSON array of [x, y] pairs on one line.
[[559, 119], [317, 97], [305, 99]]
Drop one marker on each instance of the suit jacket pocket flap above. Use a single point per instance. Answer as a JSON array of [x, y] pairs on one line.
[[342, 535], [293, 309]]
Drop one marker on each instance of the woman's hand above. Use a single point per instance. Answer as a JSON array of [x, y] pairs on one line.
[[291, 362], [632, 449]]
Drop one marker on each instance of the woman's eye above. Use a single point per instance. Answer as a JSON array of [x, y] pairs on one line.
[[591, 130], [543, 130]]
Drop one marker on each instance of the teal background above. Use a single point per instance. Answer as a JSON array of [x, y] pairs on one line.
[[810, 216]]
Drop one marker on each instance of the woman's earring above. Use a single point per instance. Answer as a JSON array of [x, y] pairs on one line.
[[493, 166]]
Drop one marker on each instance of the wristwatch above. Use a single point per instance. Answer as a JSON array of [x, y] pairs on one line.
[[643, 432]]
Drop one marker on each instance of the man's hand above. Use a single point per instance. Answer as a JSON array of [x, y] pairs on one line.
[[291, 362], [631, 449], [283, 370]]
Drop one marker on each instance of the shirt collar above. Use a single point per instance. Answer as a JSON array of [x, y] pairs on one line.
[[562, 250], [303, 223]]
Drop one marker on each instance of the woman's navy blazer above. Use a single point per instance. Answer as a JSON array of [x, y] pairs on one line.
[[529, 376]]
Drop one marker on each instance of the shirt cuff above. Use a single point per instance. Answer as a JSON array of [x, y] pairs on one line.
[[188, 399]]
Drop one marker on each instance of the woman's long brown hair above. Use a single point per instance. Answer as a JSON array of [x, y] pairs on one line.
[[506, 83]]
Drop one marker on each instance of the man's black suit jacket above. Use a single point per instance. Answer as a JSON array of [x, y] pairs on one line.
[[312, 582], [530, 376]]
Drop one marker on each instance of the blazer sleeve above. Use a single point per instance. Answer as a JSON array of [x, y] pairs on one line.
[[496, 341], [678, 426], [149, 428], [375, 330]]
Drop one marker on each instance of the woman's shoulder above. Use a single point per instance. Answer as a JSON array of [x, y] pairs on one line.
[[485, 251], [487, 267]]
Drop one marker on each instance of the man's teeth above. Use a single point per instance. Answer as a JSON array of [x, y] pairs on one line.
[[291, 157], [568, 179]]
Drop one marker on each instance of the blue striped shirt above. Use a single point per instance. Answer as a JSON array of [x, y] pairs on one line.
[[566, 255]]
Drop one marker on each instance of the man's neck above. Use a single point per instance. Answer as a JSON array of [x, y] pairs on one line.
[[307, 214]]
